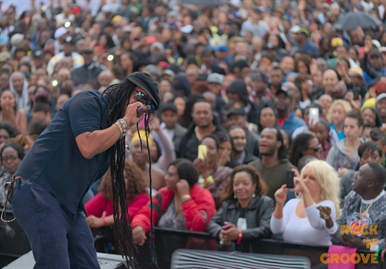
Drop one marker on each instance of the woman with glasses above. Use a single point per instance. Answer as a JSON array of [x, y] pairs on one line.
[[11, 155], [344, 155], [304, 144], [298, 219]]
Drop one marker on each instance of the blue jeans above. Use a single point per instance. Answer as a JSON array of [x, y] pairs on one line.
[[58, 238]]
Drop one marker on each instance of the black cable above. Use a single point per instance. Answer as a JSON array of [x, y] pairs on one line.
[[152, 241]]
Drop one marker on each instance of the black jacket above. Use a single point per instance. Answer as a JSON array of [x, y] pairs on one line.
[[83, 74], [247, 159], [257, 215], [188, 147]]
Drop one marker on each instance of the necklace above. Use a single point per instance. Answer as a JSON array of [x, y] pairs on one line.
[[364, 213]]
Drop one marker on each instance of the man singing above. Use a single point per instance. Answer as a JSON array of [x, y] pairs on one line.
[[84, 139]]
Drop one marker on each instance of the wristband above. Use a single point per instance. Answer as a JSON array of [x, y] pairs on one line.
[[240, 237], [186, 198], [120, 128], [124, 124], [104, 221]]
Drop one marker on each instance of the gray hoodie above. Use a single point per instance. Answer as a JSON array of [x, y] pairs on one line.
[[338, 157]]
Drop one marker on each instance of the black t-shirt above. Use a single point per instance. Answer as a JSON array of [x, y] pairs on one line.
[[55, 160]]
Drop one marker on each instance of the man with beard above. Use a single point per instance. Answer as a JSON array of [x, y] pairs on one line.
[[239, 154], [286, 118], [273, 163], [202, 125]]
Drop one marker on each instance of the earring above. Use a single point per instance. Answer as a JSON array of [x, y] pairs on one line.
[[234, 196], [253, 195]]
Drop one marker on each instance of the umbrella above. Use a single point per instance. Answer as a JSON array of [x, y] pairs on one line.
[[204, 2], [353, 20]]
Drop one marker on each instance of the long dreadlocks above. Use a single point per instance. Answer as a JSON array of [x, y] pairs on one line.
[[117, 97]]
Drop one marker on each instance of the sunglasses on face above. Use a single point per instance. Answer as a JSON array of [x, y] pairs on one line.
[[317, 148]]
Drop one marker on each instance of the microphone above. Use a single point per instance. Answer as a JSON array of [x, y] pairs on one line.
[[140, 97]]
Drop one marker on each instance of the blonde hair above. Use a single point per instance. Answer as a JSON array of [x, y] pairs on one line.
[[328, 180], [346, 107]]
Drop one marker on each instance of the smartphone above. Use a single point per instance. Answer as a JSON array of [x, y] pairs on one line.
[[314, 116], [226, 227], [290, 179], [202, 152], [356, 94]]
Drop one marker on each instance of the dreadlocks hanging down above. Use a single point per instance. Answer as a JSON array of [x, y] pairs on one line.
[[117, 97]]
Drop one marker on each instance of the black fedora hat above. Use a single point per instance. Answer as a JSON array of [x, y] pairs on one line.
[[148, 84]]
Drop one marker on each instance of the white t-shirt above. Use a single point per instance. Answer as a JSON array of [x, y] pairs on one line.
[[310, 230]]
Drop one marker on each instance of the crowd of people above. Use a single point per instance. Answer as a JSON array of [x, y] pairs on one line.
[[265, 86]]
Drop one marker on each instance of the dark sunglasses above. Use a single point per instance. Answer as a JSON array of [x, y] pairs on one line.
[[317, 148]]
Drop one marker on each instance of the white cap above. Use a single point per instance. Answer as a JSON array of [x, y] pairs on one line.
[[60, 32], [295, 29], [16, 39], [376, 43], [215, 78], [380, 97], [187, 29]]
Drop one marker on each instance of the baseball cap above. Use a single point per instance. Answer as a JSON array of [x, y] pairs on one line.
[[148, 84], [380, 97], [259, 75], [375, 52], [376, 43], [355, 71], [269, 46], [236, 111], [285, 91], [168, 72], [168, 106], [38, 54], [303, 31], [222, 48], [60, 32], [69, 40], [4, 56], [295, 29], [336, 42], [215, 78]]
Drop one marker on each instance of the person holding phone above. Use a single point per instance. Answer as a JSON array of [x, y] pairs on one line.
[[245, 211], [298, 220], [213, 175]]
